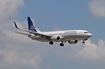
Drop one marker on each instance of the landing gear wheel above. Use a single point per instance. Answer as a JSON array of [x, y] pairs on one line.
[[61, 44], [83, 42], [51, 43]]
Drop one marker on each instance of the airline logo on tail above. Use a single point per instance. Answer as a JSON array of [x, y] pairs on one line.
[[30, 25], [32, 28]]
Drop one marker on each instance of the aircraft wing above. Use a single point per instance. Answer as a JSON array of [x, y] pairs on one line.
[[41, 35], [35, 33], [22, 33]]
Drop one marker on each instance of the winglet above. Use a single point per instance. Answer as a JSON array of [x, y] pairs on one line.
[[15, 25]]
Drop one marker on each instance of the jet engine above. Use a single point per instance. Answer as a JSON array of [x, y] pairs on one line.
[[72, 41], [55, 38]]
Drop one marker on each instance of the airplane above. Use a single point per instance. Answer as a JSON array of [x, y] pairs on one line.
[[70, 36]]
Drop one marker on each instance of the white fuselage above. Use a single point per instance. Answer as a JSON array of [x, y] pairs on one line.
[[71, 36], [65, 35]]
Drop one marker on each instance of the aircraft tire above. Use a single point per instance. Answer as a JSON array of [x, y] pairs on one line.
[[51, 43], [61, 44], [83, 42]]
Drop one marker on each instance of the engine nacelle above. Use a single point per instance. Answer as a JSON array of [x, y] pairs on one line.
[[55, 38], [72, 41]]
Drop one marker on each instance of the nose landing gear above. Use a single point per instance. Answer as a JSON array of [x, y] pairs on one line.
[[84, 41]]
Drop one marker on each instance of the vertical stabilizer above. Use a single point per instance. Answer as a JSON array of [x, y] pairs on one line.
[[31, 25]]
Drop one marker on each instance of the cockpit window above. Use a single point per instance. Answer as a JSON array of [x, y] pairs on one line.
[[86, 32]]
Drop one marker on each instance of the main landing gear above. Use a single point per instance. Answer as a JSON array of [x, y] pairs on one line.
[[61, 44], [51, 43], [83, 42]]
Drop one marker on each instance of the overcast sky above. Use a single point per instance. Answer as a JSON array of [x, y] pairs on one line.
[[20, 52]]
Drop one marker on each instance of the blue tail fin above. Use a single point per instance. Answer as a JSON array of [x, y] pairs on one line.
[[30, 25]]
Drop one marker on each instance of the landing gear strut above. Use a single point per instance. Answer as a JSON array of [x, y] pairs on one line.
[[84, 41], [51, 43]]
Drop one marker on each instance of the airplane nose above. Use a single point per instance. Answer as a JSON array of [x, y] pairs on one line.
[[90, 34]]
